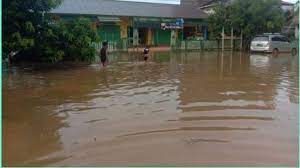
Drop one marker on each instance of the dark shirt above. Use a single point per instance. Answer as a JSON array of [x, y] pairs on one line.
[[103, 55], [103, 52]]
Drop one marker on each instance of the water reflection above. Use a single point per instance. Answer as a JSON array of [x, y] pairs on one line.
[[56, 115], [30, 130], [190, 129]]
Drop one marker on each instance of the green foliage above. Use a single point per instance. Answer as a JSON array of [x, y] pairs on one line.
[[217, 21], [79, 35], [30, 31], [68, 41], [253, 17], [22, 20], [49, 47]]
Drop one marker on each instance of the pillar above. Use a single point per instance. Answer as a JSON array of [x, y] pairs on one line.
[[241, 41], [135, 37], [205, 33], [296, 31], [124, 32], [223, 36], [149, 36], [232, 38], [173, 38]]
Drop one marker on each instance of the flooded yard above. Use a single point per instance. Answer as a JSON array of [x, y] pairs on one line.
[[179, 109]]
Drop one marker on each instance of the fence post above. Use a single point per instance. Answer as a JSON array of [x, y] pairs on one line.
[[231, 38], [241, 41], [200, 44], [223, 36]]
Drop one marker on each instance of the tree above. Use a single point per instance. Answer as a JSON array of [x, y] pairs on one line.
[[78, 35], [252, 17], [32, 33], [218, 20], [23, 22]]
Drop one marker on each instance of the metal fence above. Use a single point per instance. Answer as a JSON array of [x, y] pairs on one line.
[[112, 46], [125, 44], [120, 45], [205, 44]]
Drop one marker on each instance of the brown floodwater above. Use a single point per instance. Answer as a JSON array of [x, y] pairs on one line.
[[179, 109]]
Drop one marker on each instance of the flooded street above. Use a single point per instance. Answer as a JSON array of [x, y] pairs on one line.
[[179, 109]]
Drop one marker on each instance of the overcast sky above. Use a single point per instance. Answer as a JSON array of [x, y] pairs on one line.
[[178, 1], [157, 1], [293, 1]]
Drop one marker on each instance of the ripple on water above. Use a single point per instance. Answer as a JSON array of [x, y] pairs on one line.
[[245, 107]]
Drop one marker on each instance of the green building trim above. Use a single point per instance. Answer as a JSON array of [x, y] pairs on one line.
[[121, 22]]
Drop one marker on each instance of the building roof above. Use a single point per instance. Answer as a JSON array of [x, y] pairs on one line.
[[125, 8], [203, 4], [197, 3], [200, 3]]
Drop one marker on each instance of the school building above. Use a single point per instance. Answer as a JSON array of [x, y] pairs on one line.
[[130, 24]]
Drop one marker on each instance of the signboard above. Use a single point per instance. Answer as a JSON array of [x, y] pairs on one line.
[[180, 22], [108, 19], [143, 19], [166, 26], [177, 25]]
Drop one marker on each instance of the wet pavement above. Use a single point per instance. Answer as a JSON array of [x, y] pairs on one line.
[[179, 109]]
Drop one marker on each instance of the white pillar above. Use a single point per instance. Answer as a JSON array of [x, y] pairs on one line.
[[223, 36], [173, 38], [135, 37], [241, 41], [232, 38], [296, 31]]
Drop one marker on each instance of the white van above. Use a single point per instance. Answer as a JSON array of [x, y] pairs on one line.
[[272, 43]]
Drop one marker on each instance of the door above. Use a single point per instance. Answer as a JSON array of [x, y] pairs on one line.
[[142, 36], [162, 37], [286, 46], [276, 43]]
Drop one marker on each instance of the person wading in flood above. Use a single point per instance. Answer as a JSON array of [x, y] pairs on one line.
[[146, 53], [103, 54]]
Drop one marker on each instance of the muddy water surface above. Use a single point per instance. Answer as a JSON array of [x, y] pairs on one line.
[[180, 109]]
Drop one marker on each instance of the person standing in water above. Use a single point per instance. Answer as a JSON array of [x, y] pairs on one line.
[[146, 53], [103, 54]]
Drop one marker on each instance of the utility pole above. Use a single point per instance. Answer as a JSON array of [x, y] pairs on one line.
[[241, 41], [223, 36], [231, 38]]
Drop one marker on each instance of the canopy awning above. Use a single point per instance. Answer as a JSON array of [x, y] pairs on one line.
[[108, 19], [152, 19]]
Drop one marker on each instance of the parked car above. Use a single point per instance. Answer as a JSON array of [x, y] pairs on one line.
[[272, 43]]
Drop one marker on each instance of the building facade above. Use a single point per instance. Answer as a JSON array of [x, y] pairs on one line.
[[135, 23]]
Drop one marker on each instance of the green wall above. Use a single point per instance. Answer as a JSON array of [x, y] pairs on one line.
[[110, 33], [162, 37]]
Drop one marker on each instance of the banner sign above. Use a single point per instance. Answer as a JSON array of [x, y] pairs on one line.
[[108, 19], [177, 25], [180, 22]]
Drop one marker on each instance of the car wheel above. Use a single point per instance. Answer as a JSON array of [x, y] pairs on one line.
[[294, 51], [275, 52]]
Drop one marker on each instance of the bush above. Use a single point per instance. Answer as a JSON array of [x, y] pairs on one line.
[[34, 36], [69, 41], [24, 22], [78, 37]]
